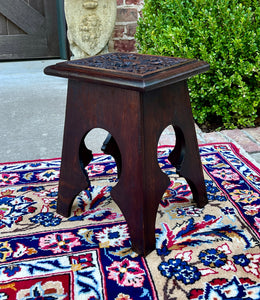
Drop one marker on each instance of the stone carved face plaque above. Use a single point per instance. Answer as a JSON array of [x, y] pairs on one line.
[[90, 4], [90, 25]]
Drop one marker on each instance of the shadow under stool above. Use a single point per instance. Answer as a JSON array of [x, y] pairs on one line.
[[135, 97]]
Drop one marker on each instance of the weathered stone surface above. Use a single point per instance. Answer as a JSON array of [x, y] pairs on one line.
[[242, 139], [254, 133], [90, 25]]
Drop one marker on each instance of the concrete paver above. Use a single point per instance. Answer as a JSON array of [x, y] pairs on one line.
[[213, 137], [256, 157], [32, 112], [243, 140], [32, 108], [253, 134], [249, 143]]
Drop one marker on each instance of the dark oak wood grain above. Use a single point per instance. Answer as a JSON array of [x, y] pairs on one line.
[[135, 107]]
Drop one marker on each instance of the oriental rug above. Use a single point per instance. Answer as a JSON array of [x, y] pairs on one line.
[[201, 253]]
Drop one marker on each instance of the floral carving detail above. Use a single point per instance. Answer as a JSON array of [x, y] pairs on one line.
[[130, 62], [90, 4]]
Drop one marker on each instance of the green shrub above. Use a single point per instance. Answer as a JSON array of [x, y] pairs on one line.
[[226, 34]]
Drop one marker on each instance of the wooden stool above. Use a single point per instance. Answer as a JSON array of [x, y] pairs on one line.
[[135, 97]]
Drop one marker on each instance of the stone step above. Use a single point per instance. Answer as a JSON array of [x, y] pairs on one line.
[[248, 139]]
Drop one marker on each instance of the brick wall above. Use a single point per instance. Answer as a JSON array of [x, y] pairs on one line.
[[128, 12]]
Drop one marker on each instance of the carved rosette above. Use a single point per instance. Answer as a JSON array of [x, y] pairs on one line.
[[90, 4], [90, 25]]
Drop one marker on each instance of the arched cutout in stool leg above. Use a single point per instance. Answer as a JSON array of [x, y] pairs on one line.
[[189, 168], [85, 157], [110, 147], [177, 154]]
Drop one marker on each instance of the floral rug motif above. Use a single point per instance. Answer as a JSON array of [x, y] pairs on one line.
[[201, 253]]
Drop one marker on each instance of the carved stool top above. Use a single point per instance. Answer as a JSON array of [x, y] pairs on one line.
[[129, 70], [129, 62]]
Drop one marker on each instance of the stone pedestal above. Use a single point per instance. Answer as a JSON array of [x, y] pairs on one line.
[[90, 25]]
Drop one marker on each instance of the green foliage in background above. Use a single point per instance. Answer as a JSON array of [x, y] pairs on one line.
[[224, 33]]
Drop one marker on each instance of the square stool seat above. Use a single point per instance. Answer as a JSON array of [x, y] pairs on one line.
[[134, 97]]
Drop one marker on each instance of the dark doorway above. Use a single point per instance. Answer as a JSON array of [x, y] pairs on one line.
[[28, 29]]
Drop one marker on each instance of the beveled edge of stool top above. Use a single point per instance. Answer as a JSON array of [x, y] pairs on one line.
[[129, 70]]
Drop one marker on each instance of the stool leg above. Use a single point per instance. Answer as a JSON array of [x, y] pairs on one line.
[[185, 157], [73, 176], [177, 155], [85, 157], [188, 165], [142, 183], [75, 157], [138, 194]]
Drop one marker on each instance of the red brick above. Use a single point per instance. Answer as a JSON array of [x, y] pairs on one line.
[[214, 137], [119, 31], [242, 139], [127, 2], [124, 45], [131, 29], [127, 15]]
